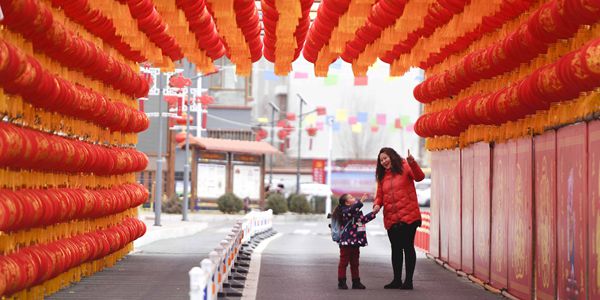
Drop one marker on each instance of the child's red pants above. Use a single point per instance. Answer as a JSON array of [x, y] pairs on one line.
[[349, 254]]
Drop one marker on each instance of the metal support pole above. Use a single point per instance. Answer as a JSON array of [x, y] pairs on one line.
[[273, 109], [330, 148], [186, 165], [299, 144], [272, 144], [159, 158]]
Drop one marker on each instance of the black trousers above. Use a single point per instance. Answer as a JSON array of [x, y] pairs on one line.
[[402, 238]]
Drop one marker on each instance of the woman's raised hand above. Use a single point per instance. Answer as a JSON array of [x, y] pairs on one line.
[[409, 157]]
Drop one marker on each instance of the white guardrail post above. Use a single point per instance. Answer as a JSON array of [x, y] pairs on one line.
[[206, 281]]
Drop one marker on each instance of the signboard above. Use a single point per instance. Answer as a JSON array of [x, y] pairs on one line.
[[318, 170], [211, 180], [207, 155], [246, 158], [246, 181]]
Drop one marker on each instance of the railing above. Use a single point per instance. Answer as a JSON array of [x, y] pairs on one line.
[[422, 235], [209, 280]]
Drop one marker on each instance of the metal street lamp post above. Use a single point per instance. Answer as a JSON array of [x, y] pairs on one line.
[[273, 109], [186, 166], [159, 158], [302, 101]]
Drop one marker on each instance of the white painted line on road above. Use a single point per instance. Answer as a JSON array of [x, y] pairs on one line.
[[301, 231], [251, 285], [376, 233]]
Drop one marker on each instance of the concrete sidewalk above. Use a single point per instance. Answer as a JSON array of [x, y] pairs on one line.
[[172, 225]]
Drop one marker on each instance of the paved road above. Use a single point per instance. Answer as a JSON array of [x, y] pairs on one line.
[[302, 264], [158, 271]]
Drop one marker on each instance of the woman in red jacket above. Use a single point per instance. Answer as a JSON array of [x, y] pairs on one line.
[[401, 215]]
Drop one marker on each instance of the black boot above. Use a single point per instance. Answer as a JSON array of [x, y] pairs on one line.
[[407, 285], [395, 284], [356, 285], [342, 284]]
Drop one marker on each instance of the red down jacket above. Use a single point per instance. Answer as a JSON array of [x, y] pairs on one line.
[[397, 196]]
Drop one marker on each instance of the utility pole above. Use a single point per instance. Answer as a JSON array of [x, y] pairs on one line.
[[329, 150], [299, 144], [159, 158]]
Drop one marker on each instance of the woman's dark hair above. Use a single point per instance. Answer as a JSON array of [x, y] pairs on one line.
[[395, 159], [337, 212]]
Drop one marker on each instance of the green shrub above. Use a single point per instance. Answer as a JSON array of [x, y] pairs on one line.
[[299, 204], [173, 205], [230, 203], [277, 203], [320, 203]]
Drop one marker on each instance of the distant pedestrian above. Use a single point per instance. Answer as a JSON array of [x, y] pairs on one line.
[[401, 215], [353, 236], [246, 205]]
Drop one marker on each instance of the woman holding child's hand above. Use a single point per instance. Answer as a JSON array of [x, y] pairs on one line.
[[396, 193]]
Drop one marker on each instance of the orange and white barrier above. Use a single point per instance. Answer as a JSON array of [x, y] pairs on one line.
[[422, 235], [208, 280]]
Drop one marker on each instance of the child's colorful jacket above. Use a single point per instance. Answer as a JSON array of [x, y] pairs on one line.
[[356, 233]]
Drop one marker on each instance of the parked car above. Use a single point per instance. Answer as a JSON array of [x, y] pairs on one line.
[[424, 192]]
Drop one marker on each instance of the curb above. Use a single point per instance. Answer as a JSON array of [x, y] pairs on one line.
[[168, 233], [485, 285]]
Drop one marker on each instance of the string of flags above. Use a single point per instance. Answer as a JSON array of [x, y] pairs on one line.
[[359, 122]]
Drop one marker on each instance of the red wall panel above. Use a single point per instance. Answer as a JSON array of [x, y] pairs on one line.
[[467, 161], [454, 209], [594, 209], [545, 215], [444, 204], [520, 221], [503, 162], [434, 225], [572, 211], [481, 210]]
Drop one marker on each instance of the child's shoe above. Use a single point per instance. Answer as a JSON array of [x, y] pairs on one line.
[[342, 284], [356, 285]]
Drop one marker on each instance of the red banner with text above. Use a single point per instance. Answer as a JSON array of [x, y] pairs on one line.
[[454, 209], [545, 215], [572, 211], [502, 186], [520, 222], [481, 210], [318, 170], [594, 210], [434, 223], [467, 185]]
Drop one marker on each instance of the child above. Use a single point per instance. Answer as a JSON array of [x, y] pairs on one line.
[[354, 236]]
